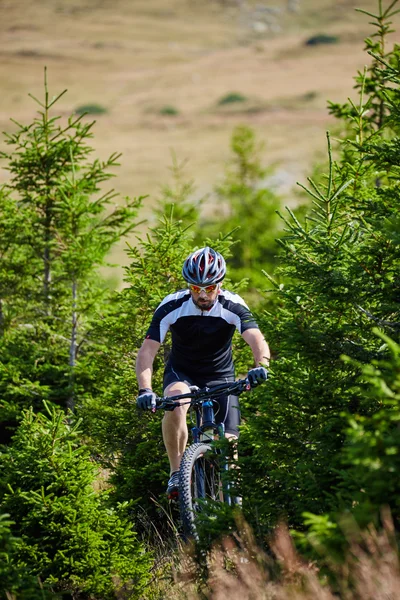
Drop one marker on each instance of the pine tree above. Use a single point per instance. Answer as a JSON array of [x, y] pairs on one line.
[[178, 196], [342, 270], [59, 229], [15, 275], [246, 208], [64, 534]]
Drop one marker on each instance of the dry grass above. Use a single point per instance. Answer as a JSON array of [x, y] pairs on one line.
[[239, 570], [133, 58]]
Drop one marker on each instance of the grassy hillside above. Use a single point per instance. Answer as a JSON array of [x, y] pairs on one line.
[[159, 71]]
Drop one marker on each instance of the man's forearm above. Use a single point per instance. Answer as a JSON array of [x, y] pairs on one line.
[[259, 347], [144, 363], [144, 373], [262, 354]]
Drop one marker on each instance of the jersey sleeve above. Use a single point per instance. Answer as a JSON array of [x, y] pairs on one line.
[[165, 315], [158, 327], [237, 312], [247, 320]]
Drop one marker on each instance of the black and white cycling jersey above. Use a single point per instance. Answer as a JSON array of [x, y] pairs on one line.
[[201, 339]]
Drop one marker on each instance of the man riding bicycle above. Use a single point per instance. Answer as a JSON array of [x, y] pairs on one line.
[[202, 320]]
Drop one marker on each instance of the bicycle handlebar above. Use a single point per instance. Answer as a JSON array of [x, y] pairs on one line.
[[196, 396]]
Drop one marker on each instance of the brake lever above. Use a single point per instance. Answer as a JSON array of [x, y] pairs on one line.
[[171, 407], [167, 406]]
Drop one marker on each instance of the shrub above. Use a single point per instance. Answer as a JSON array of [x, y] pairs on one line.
[[246, 207], [309, 96], [65, 532], [169, 111], [57, 228], [370, 457], [340, 273], [231, 98], [90, 109], [321, 38], [14, 578]]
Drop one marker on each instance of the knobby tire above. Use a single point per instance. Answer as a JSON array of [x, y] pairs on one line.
[[199, 481]]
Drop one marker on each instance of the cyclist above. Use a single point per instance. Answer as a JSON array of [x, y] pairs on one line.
[[202, 320]]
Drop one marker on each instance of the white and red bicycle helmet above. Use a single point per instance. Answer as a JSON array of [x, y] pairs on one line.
[[204, 267]]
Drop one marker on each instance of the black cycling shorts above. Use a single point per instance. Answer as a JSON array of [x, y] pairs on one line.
[[226, 408]]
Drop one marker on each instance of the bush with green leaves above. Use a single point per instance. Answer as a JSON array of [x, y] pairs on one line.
[[178, 197], [373, 111], [128, 440], [15, 578], [58, 228], [246, 210], [321, 38], [341, 269], [371, 456], [65, 532], [231, 98], [169, 111], [90, 109], [368, 464], [33, 368]]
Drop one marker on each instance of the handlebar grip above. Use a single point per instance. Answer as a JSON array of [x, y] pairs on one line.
[[166, 404]]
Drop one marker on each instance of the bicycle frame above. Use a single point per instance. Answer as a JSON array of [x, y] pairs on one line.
[[201, 400], [205, 422]]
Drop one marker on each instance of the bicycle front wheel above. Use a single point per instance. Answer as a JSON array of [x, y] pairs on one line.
[[199, 482]]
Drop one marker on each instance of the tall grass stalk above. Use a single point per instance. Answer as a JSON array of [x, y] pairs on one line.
[[238, 569]]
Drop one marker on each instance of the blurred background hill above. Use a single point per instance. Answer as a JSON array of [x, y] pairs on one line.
[[177, 76]]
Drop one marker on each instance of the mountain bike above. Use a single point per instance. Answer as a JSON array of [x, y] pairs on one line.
[[202, 474]]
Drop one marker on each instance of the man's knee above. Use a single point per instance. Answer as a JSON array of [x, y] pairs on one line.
[[175, 389]]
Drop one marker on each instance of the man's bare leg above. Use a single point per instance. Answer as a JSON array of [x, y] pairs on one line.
[[174, 427]]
